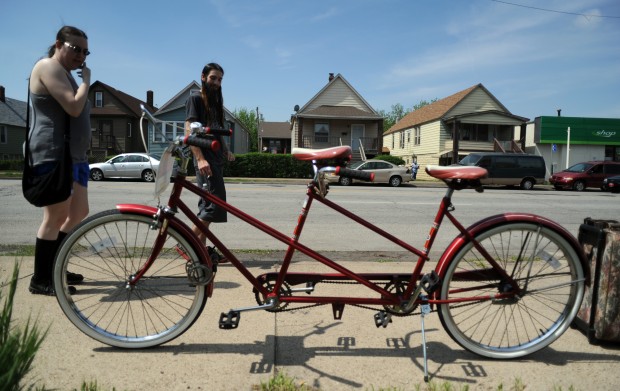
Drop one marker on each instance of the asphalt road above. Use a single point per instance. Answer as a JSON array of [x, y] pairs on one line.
[[406, 211]]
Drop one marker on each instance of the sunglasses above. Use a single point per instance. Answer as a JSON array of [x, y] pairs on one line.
[[77, 49]]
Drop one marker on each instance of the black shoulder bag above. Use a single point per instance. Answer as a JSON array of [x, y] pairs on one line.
[[54, 186]]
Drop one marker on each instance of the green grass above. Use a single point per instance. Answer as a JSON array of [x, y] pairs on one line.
[[18, 344]]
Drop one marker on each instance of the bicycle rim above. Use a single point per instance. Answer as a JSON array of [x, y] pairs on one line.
[[107, 249], [547, 269]]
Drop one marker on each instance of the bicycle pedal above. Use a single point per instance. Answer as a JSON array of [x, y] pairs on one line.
[[382, 318], [230, 320], [430, 282]]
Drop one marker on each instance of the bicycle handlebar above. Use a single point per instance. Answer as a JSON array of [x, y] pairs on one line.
[[198, 141], [355, 174], [197, 128]]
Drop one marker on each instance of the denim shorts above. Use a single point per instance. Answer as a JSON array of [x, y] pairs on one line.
[[81, 171]]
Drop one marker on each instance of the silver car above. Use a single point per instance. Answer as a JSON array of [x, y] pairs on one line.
[[127, 165], [385, 172]]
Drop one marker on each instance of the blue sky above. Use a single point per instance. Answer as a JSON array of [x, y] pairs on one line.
[[278, 53]]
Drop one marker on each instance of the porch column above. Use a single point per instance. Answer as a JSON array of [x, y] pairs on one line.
[[455, 142], [523, 131]]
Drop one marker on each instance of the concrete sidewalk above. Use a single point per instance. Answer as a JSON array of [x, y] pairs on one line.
[[308, 344]]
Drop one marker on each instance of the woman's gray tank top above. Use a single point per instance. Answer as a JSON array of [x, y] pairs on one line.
[[47, 130]]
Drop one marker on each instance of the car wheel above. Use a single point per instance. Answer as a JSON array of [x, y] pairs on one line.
[[148, 176], [579, 186], [395, 181], [527, 184], [96, 174], [344, 181]]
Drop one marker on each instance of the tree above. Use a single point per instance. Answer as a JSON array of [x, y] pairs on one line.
[[248, 118], [395, 115], [423, 103], [398, 112]]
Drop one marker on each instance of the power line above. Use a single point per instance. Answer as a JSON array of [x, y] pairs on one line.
[[556, 11]]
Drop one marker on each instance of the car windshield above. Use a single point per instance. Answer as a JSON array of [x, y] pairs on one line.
[[579, 167], [355, 165], [154, 156], [470, 160]]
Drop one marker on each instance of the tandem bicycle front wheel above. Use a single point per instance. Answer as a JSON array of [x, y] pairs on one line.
[[108, 249], [551, 278]]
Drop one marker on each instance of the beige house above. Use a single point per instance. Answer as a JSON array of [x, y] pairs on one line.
[[472, 120], [338, 115]]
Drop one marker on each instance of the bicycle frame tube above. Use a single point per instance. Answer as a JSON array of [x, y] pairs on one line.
[[293, 244]]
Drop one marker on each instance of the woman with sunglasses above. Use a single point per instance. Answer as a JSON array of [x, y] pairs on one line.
[[59, 104]]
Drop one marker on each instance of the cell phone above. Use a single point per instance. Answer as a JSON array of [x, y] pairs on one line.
[[83, 65]]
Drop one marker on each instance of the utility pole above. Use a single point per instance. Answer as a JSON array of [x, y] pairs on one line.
[[259, 146]]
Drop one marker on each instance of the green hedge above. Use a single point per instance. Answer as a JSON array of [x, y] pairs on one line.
[[249, 165], [267, 165], [391, 159], [11, 165]]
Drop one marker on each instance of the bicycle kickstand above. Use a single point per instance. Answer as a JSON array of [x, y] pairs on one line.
[[425, 309]]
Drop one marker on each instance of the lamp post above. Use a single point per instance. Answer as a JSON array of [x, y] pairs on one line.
[[567, 146]]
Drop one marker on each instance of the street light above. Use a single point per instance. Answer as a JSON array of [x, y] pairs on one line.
[[567, 145]]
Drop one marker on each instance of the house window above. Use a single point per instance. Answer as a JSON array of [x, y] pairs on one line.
[[393, 138], [416, 135], [408, 135], [167, 131], [4, 137], [402, 139], [98, 99], [128, 129], [321, 132]]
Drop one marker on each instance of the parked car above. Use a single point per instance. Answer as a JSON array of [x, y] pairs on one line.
[[612, 184], [127, 165], [508, 169], [385, 172], [586, 174]]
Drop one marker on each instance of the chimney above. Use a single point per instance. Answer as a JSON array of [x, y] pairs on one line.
[[331, 77], [149, 98], [559, 112], [2, 97]]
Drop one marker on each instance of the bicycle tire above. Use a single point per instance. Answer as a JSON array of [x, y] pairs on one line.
[[546, 267], [107, 249]]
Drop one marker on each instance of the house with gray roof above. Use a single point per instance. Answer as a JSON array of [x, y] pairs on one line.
[[338, 115], [12, 127], [275, 137], [172, 117]]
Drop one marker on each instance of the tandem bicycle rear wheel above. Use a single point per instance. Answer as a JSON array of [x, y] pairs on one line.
[[108, 249], [548, 272]]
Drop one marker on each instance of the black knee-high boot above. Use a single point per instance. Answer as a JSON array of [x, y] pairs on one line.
[[72, 278], [44, 255]]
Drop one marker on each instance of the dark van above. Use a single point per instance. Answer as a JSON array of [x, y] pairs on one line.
[[509, 169], [586, 174]]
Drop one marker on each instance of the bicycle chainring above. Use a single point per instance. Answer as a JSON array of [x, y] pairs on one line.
[[399, 287], [285, 290]]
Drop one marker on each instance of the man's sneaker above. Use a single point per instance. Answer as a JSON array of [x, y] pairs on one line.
[[215, 256], [74, 278]]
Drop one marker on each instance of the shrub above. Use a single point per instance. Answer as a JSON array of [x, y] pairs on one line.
[[18, 345], [391, 159]]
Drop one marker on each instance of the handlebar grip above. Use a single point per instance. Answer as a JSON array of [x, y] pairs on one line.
[[355, 174], [218, 131], [200, 142]]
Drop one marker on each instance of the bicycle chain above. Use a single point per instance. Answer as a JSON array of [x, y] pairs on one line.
[[363, 306]]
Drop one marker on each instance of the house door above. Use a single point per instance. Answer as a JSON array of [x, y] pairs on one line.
[[357, 132], [105, 133]]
